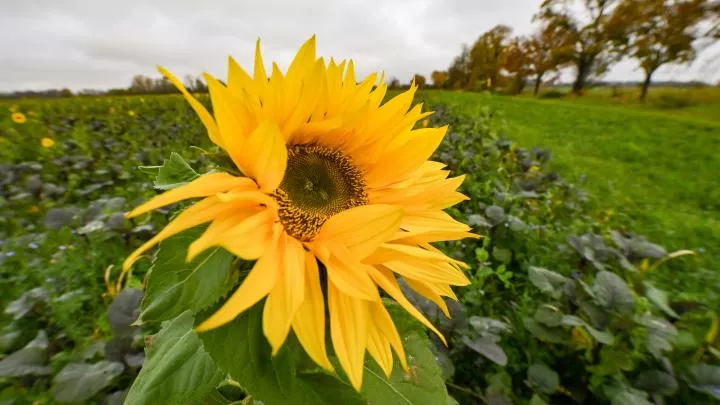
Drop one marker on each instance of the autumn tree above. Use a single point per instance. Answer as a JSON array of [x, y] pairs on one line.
[[659, 32], [546, 51], [459, 70], [589, 33], [516, 63], [419, 80], [439, 78], [487, 56]]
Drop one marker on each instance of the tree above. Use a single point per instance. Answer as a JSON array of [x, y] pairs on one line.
[[517, 64], [487, 56], [439, 78], [546, 50], [419, 80], [394, 83], [659, 32], [589, 35], [459, 70]]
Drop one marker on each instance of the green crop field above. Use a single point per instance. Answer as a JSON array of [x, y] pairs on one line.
[[576, 295], [654, 170]]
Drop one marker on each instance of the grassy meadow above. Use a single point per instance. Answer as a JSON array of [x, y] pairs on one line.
[[568, 304]]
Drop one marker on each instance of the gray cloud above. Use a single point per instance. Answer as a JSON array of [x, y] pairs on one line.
[[80, 44]]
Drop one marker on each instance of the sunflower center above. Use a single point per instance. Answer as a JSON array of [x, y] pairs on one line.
[[319, 182]]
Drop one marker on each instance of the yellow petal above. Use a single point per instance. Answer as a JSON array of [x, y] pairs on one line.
[[309, 321], [259, 72], [250, 238], [348, 332], [248, 216], [345, 273], [387, 282], [267, 155], [386, 327], [398, 252], [199, 213], [200, 110], [233, 130], [402, 160], [362, 229], [429, 271], [259, 282], [379, 349], [286, 297], [203, 186], [423, 289]]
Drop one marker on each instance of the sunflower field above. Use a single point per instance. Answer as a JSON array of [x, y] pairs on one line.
[[563, 306]]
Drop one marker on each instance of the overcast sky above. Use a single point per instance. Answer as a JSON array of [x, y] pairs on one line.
[[102, 44]]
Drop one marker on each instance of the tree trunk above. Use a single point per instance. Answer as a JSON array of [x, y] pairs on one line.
[[645, 85], [583, 71], [538, 82]]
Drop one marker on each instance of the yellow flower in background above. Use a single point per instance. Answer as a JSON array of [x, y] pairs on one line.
[[131, 113], [425, 123], [47, 143], [18, 117], [111, 110], [336, 184]]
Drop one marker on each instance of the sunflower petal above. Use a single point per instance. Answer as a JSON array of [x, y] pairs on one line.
[[259, 282], [200, 110], [385, 325], [227, 230], [199, 213], [348, 275], [387, 282], [309, 321], [267, 155], [203, 186], [362, 229], [286, 297], [348, 332]]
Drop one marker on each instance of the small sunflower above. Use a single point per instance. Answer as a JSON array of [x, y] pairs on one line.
[[47, 142], [335, 184], [18, 117]]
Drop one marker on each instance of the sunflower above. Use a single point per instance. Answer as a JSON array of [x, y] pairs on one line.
[[18, 117], [47, 142], [338, 195]]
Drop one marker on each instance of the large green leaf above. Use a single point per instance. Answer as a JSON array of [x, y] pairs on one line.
[[543, 378], [174, 172], [30, 360], [601, 336], [289, 377], [78, 382], [424, 384], [547, 281], [177, 370], [704, 378], [613, 293], [659, 298], [174, 285]]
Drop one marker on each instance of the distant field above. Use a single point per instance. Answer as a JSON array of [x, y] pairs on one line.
[[697, 102], [655, 170]]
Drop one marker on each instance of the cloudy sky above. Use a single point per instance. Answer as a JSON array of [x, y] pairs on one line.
[[102, 44]]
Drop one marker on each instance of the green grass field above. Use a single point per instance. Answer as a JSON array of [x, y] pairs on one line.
[[657, 170]]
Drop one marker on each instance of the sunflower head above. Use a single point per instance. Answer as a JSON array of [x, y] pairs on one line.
[[336, 201], [47, 142], [18, 117]]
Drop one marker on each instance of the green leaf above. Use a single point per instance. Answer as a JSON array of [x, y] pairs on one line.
[[613, 293], [657, 382], [123, 312], [174, 285], [30, 360], [704, 378], [495, 214], [487, 348], [289, 377], [502, 255], [544, 333], [424, 384], [630, 398], [543, 378], [78, 382], [659, 298], [549, 315], [537, 400], [174, 173], [547, 281], [602, 337], [177, 370]]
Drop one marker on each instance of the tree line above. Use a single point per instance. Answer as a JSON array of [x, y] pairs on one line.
[[588, 36]]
